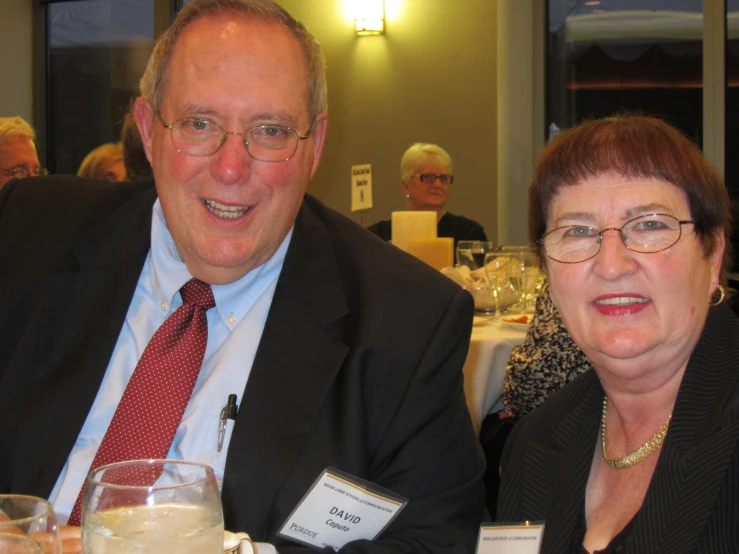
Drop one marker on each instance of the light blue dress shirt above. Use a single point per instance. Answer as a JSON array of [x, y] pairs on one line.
[[235, 328]]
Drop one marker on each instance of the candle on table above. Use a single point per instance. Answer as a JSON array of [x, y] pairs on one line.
[[412, 225], [437, 252]]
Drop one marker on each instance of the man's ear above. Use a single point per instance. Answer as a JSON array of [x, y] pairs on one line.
[[319, 137], [143, 113]]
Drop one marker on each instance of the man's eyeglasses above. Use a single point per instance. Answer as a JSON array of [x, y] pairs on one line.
[[203, 137], [21, 172], [443, 178], [646, 234]]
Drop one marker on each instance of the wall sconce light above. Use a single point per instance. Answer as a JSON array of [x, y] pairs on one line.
[[370, 17]]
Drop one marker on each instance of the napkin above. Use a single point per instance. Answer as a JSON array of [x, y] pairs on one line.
[[476, 282], [464, 277]]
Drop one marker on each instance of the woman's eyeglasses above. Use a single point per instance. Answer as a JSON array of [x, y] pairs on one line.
[[646, 234], [443, 178]]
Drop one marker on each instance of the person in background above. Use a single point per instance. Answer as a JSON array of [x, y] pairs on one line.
[[640, 454], [104, 162], [134, 156], [297, 310], [426, 177], [18, 157]]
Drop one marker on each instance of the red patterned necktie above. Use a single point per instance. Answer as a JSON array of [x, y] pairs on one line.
[[151, 408]]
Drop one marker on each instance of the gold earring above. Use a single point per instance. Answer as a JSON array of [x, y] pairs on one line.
[[720, 299]]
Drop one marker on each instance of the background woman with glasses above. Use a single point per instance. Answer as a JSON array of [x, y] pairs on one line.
[[426, 178], [640, 454]]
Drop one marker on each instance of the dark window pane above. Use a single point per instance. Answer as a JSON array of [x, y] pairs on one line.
[[98, 52], [609, 56]]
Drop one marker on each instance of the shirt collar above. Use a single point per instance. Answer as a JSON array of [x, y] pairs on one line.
[[169, 274]]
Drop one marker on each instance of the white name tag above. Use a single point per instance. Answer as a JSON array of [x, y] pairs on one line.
[[510, 539], [339, 509]]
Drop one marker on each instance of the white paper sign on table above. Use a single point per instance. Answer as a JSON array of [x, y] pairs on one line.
[[510, 539], [361, 187], [339, 509]]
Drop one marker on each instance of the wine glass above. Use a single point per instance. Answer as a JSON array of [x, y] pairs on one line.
[[19, 544], [524, 274], [531, 278], [471, 253], [152, 506], [31, 521], [498, 272]]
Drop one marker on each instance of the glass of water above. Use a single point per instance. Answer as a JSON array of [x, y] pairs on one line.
[[471, 253], [27, 524], [152, 506], [498, 271]]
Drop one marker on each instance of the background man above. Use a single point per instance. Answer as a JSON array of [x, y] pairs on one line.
[[343, 351], [18, 158]]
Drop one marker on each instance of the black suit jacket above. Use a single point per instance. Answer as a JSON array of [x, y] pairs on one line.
[[692, 503], [358, 368]]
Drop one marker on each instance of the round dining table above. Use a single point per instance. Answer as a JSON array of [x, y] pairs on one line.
[[484, 369]]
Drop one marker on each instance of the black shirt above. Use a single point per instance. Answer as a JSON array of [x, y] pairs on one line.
[[455, 226]]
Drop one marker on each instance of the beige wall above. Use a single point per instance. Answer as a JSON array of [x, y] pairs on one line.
[[430, 78], [16, 95]]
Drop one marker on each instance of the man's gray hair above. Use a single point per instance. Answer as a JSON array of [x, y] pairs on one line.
[[419, 154], [155, 77], [15, 127]]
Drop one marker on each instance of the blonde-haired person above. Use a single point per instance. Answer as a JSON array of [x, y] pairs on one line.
[[134, 156], [18, 157], [426, 177], [104, 162]]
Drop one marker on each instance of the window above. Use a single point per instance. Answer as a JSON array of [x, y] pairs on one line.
[[97, 52], [609, 56]]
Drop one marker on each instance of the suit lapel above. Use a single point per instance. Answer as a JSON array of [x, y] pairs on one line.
[[565, 462], [699, 445], [80, 316], [693, 464], [294, 368]]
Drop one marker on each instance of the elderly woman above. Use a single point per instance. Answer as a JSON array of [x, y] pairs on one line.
[[426, 177], [104, 162], [641, 454]]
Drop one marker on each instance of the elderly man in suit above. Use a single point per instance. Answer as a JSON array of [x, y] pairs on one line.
[[18, 157], [342, 351]]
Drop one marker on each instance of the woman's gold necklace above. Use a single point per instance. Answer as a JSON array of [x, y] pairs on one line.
[[639, 455]]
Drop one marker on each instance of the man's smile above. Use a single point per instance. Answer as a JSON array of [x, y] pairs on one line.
[[226, 212]]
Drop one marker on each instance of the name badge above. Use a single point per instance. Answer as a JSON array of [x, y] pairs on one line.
[[339, 509], [507, 538]]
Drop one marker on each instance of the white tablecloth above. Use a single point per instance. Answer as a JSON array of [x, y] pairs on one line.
[[484, 368]]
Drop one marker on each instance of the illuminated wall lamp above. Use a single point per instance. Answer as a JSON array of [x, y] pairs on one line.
[[370, 17]]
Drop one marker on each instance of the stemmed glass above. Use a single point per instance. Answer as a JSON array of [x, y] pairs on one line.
[[498, 272], [525, 275], [471, 253], [19, 544], [28, 525], [152, 506], [532, 279]]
